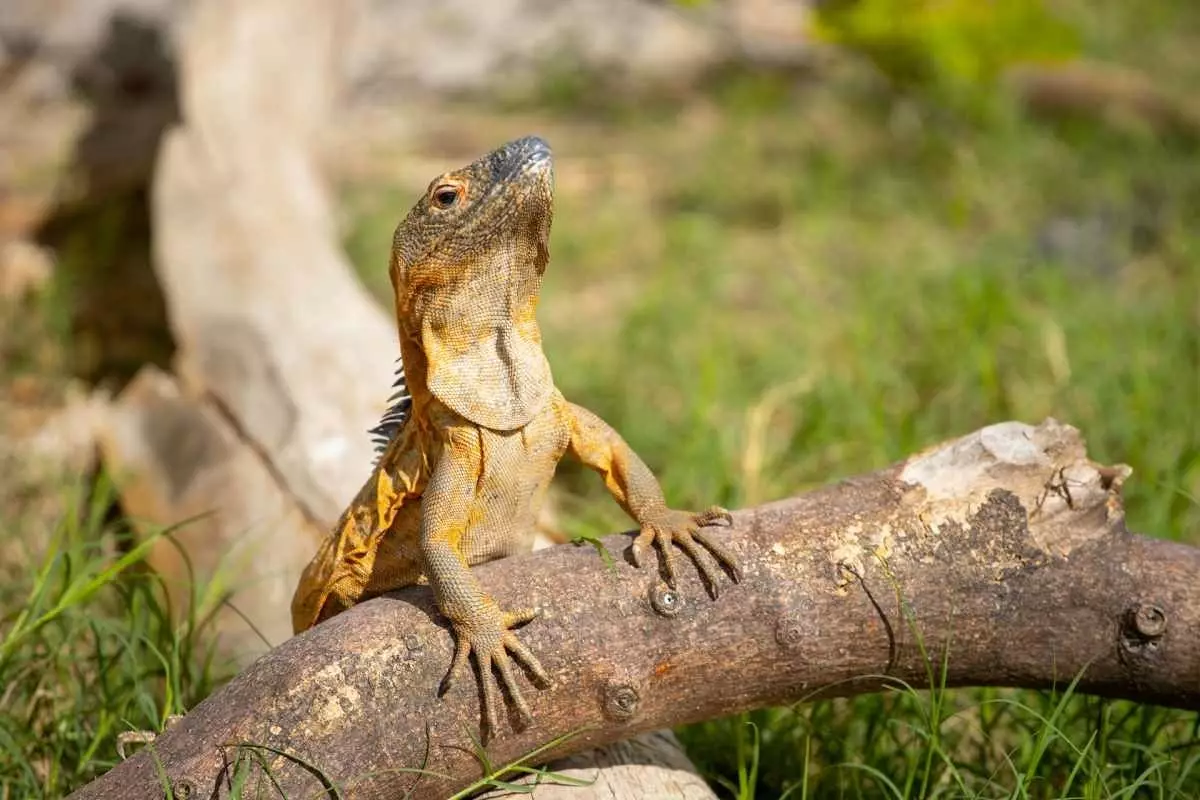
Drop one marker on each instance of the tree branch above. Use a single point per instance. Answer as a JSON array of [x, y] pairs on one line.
[[1002, 554]]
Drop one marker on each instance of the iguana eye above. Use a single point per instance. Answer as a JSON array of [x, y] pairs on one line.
[[446, 195]]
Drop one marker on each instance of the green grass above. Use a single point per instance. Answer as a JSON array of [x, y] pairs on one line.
[[766, 288], [87, 651], [986, 743]]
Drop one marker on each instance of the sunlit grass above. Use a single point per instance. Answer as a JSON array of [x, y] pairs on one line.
[[88, 650], [988, 743]]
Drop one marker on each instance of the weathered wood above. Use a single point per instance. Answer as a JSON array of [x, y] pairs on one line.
[[177, 457], [265, 310], [1004, 553], [650, 765], [282, 360]]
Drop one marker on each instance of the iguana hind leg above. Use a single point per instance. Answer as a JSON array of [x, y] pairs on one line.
[[372, 549]]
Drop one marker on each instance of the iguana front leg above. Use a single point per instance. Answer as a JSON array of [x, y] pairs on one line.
[[480, 625], [635, 488]]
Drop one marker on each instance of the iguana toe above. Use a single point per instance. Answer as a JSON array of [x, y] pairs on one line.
[[686, 529], [495, 646]]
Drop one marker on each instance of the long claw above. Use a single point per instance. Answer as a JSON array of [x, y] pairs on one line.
[[721, 553], [526, 657], [663, 538], [714, 515], [515, 619], [504, 667], [488, 684], [462, 651], [640, 545], [688, 545]]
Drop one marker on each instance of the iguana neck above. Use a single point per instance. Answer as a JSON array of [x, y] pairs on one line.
[[416, 369]]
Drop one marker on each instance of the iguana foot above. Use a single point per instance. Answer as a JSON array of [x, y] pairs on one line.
[[685, 529], [489, 636]]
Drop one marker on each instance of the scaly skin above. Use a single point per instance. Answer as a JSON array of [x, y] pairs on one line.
[[462, 480]]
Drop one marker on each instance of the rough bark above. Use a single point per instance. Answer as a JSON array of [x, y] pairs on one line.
[[1003, 553]]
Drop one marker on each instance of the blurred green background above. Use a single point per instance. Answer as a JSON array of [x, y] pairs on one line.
[[784, 277], [781, 281]]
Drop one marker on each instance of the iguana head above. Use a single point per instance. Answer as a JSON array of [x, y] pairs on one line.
[[466, 267]]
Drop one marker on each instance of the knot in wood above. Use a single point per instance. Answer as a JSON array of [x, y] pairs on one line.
[[1145, 621], [789, 631], [621, 700], [1142, 629], [181, 790], [665, 600]]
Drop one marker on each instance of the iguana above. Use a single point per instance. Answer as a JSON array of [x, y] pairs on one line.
[[476, 428]]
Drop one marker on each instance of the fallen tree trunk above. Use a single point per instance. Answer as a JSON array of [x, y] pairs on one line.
[[1003, 555]]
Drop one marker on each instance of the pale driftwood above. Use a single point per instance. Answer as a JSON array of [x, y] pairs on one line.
[[649, 765], [179, 458], [1003, 554], [282, 360], [261, 299]]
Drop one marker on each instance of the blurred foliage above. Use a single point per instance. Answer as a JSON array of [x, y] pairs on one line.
[[955, 49], [89, 648]]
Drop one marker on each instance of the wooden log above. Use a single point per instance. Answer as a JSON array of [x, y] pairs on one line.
[[1002, 555]]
